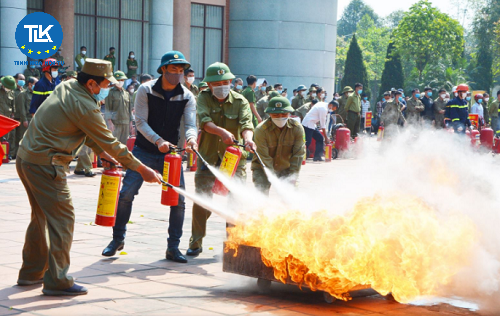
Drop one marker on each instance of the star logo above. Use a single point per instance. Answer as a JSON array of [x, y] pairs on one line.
[[221, 72], [54, 48], [39, 52], [176, 56], [23, 47], [278, 104], [30, 51]]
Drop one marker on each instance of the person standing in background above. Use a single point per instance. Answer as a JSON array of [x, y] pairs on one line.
[[118, 113], [80, 58], [111, 57], [365, 107], [131, 65]]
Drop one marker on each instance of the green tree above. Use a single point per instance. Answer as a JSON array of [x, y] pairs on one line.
[[351, 16], [392, 77], [426, 35], [355, 69], [393, 19]]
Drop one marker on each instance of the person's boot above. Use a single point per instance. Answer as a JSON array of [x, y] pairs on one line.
[[194, 252], [173, 254], [112, 248]]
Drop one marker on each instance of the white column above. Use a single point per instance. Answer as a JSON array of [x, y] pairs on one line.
[[161, 31], [11, 13]]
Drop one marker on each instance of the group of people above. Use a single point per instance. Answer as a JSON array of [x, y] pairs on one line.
[[210, 117]]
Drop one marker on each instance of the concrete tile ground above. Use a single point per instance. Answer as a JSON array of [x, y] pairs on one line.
[[142, 282]]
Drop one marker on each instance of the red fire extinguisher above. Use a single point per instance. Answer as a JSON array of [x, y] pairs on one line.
[[94, 162], [380, 134], [227, 167], [172, 174], [5, 148], [108, 197], [130, 142]]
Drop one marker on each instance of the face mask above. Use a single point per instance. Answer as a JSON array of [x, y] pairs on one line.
[[102, 94], [239, 87], [322, 95], [365, 98], [131, 91], [221, 92], [21, 83], [173, 79], [84, 52], [446, 100], [486, 99], [279, 91], [455, 94], [263, 89], [120, 84], [443, 96], [429, 93], [280, 121], [313, 95], [132, 56], [400, 99], [480, 101], [190, 80], [360, 91], [467, 98], [417, 95], [54, 74], [300, 93]]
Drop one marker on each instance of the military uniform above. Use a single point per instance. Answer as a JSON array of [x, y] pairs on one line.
[[413, 109], [493, 111], [16, 135], [439, 105], [131, 63], [250, 95], [264, 102], [281, 149], [260, 94], [235, 116], [193, 88], [353, 109], [342, 102], [298, 101], [391, 116], [31, 72], [111, 58], [303, 110], [7, 106], [78, 61], [119, 111], [70, 117]]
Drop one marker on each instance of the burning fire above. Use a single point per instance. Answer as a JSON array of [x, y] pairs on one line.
[[395, 244]]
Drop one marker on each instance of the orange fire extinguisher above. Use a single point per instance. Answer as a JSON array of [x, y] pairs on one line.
[[172, 174], [328, 152], [108, 197], [228, 167]]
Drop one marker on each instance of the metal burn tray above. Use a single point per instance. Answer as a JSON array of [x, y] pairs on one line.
[[249, 263]]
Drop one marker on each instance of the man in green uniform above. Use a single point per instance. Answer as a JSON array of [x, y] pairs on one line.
[[353, 109], [238, 85], [7, 105], [188, 83], [111, 57], [280, 145], [16, 135], [22, 102], [311, 95], [31, 71], [224, 117], [342, 102], [413, 108], [493, 111], [392, 115], [69, 117], [81, 58], [303, 110], [439, 109], [203, 86], [118, 111], [299, 99], [263, 103], [261, 91], [249, 94]]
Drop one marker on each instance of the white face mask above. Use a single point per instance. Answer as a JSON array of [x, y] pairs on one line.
[[446, 100], [313, 95], [54, 74], [221, 92], [132, 56], [280, 121], [120, 84], [455, 94], [486, 99], [322, 95], [464, 95], [84, 52], [190, 79], [443, 96], [300, 92]]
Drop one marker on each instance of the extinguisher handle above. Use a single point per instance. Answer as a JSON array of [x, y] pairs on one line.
[[176, 149], [237, 143], [112, 164]]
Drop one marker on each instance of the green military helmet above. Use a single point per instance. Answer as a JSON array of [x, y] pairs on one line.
[[9, 82], [173, 58], [279, 105], [72, 73], [312, 89], [274, 94], [347, 89], [202, 84], [218, 72], [120, 75], [301, 88]]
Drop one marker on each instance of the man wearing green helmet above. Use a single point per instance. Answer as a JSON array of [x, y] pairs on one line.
[[299, 99], [224, 117], [264, 102], [280, 144]]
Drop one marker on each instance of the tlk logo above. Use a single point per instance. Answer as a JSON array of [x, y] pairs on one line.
[[37, 36]]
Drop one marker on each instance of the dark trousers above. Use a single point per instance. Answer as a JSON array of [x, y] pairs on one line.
[[314, 133], [131, 185]]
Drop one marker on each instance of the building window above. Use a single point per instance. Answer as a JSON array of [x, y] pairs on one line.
[[34, 6], [123, 24], [206, 36]]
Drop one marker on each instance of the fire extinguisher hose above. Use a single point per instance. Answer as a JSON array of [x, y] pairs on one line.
[[255, 152]]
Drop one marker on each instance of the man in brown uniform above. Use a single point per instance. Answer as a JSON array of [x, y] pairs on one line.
[[342, 102], [70, 117], [439, 108], [118, 111], [413, 108]]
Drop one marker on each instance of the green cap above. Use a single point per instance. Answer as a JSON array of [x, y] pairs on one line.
[[99, 68], [72, 73], [301, 88], [274, 94], [120, 75], [347, 89], [173, 58], [218, 72], [279, 105], [9, 82], [202, 84]]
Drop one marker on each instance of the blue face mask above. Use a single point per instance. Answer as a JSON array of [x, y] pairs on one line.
[[480, 101], [365, 98], [21, 82], [102, 94], [239, 87], [263, 88], [429, 94], [417, 95], [467, 98], [32, 66], [400, 99], [279, 91], [360, 91]]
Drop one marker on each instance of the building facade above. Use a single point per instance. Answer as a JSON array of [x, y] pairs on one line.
[[287, 41]]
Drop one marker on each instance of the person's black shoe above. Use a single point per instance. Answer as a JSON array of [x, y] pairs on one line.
[[194, 252], [112, 248], [174, 254], [90, 174], [79, 172], [318, 159], [74, 290]]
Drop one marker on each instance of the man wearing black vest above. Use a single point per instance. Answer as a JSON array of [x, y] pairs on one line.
[[159, 107]]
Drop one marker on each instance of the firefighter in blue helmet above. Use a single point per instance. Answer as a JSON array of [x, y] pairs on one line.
[[457, 110]]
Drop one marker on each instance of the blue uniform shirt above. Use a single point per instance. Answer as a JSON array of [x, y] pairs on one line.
[[43, 88], [457, 111]]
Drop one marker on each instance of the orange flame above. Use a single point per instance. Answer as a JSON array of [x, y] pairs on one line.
[[396, 244]]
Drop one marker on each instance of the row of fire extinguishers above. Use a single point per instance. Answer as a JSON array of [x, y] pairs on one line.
[[109, 189]]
